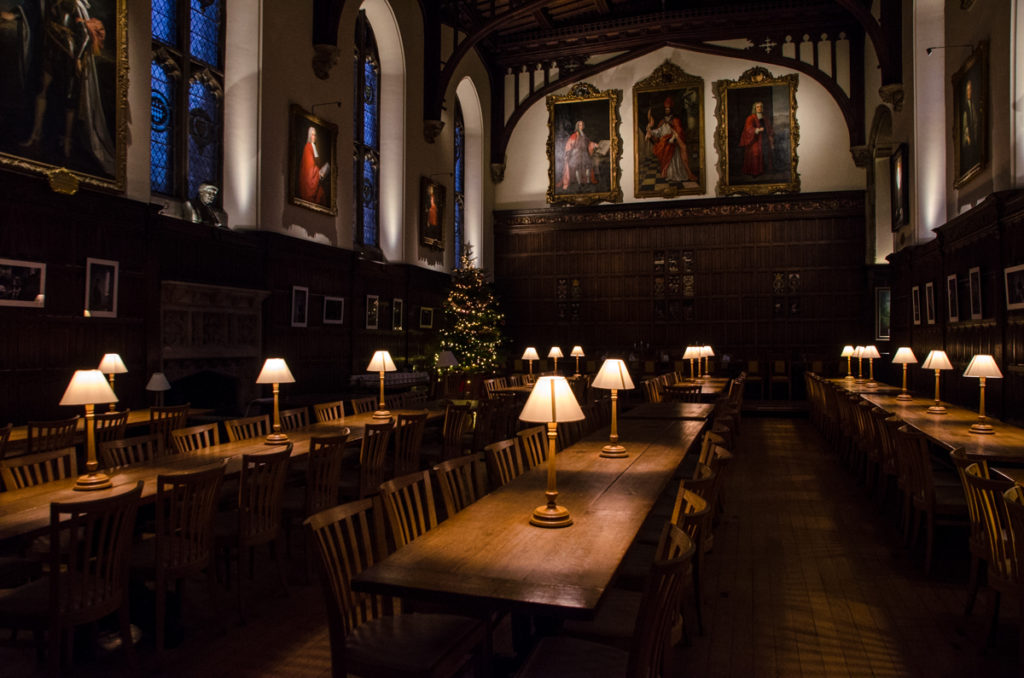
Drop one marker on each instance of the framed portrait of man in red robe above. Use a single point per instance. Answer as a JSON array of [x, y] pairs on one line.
[[432, 204], [312, 170], [757, 134]]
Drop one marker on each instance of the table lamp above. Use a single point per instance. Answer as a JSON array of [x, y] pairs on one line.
[[381, 362], [89, 388], [858, 353], [937, 361], [904, 356], [110, 365], [982, 366], [848, 354], [275, 371], [691, 353], [158, 383], [577, 352], [871, 352], [613, 375], [707, 354], [447, 359], [555, 353], [551, 401], [530, 354]]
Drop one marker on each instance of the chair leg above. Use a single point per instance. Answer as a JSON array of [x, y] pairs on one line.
[[127, 642]]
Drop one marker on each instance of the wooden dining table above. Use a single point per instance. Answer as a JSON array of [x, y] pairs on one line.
[[26, 512], [489, 556], [710, 387], [670, 409]]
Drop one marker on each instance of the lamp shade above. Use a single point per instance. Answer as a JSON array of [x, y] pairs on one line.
[[88, 387], [983, 365], [158, 382], [858, 352], [613, 375], [691, 353], [112, 364], [904, 355], [577, 352], [381, 362], [530, 354], [937, 360], [871, 352], [275, 371], [555, 352], [847, 352], [706, 352], [551, 400], [446, 359]]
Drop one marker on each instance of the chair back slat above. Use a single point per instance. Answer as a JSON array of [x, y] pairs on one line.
[[29, 470], [323, 471], [260, 493], [5, 435], [533, 446], [504, 461], [987, 493], [163, 420], [193, 439], [332, 411], [42, 436], [409, 501], [362, 405], [462, 481], [247, 428], [129, 451], [457, 420], [294, 418], [408, 438], [185, 507], [373, 457], [111, 426]]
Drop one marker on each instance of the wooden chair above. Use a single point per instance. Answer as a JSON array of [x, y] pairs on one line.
[[247, 428], [29, 470], [409, 502], [1011, 580], [362, 405], [163, 420], [690, 393], [462, 481], [652, 391], [5, 435], [457, 421], [408, 437], [568, 657], [130, 451], [533, 445], [43, 436], [257, 520], [373, 461], [367, 637], [294, 418], [193, 439], [183, 543], [111, 426], [755, 376], [332, 411], [977, 542], [87, 576], [780, 375], [504, 462]]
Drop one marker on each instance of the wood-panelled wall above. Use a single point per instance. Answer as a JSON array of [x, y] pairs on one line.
[[774, 276], [41, 347], [991, 238]]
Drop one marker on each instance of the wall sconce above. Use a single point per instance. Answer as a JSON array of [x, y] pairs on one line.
[[275, 371]]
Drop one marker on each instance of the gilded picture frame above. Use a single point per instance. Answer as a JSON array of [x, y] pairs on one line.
[[970, 116], [35, 138], [432, 206], [668, 134], [584, 146], [752, 162], [312, 162]]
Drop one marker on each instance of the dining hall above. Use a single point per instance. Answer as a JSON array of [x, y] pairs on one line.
[[512, 338]]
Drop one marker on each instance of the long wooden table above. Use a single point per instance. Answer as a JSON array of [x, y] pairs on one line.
[[670, 410], [709, 386], [489, 555], [19, 434], [27, 511]]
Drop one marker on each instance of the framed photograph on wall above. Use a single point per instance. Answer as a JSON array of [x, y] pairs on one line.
[[929, 303], [100, 288], [899, 187], [1014, 277], [432, 204], [915, 304], [952, 298], [22, 283], [334, 310], [970, 116], [426, 318], [300, 306], [397, 314], [584, 146], [757, 134], [312, 170], [974, 283], [372, 312], [883, 296]]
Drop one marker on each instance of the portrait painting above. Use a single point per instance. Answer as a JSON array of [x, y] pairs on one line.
[[372, 311], [312, 170], [63, 96], [432, 204], [22, 283], [100, 288], [668, 133], [929, 303], [970, 116], [584, 147], [1014, 277], [334, 310], [397, 314], [300, 306], [915, 304], [899, 188], [974, 285], [883, 299], [952, 298], [757, 134]]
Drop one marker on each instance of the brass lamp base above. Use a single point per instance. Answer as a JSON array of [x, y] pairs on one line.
[[97, 480], [551, 515], [871, 384], [276, 438], [860, 380], [936, 409], [849, 376], [382, 414], [981, 428], [613, 451], [904, 396]]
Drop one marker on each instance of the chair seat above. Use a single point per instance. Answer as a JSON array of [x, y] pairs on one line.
[[568, 657], [408, 643]]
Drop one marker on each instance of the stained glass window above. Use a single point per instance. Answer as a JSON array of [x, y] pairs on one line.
[[460, 181], [366, 134], [203, 135], [165, 20], [206, 31], [161, 131]]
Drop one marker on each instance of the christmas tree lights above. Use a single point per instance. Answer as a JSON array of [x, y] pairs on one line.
[[472, 321]]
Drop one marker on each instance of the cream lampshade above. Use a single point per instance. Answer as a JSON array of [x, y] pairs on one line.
[[530, 354], [110, 365], [871, 352], [692, 353], [89, 388], [937, 361], [275, 371], [982, 366], [381, 362], [158, 383], [848, 354], [904, 356], [447, 359], [555, 353], [707, 353], [551, 401], [613, 375], [577, 352], [858, 353]]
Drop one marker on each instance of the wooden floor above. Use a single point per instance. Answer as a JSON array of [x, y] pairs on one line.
[[807, 578]]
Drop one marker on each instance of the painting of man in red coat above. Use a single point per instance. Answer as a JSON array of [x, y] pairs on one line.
[[668, 140], [312, 176], [757, 141], [579, 162], [312, 172]]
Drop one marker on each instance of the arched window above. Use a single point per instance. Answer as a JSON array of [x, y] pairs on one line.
[[187, 96], [460, 183], [366, 135]]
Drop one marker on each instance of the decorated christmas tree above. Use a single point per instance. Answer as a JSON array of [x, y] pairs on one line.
[[472, 321]]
